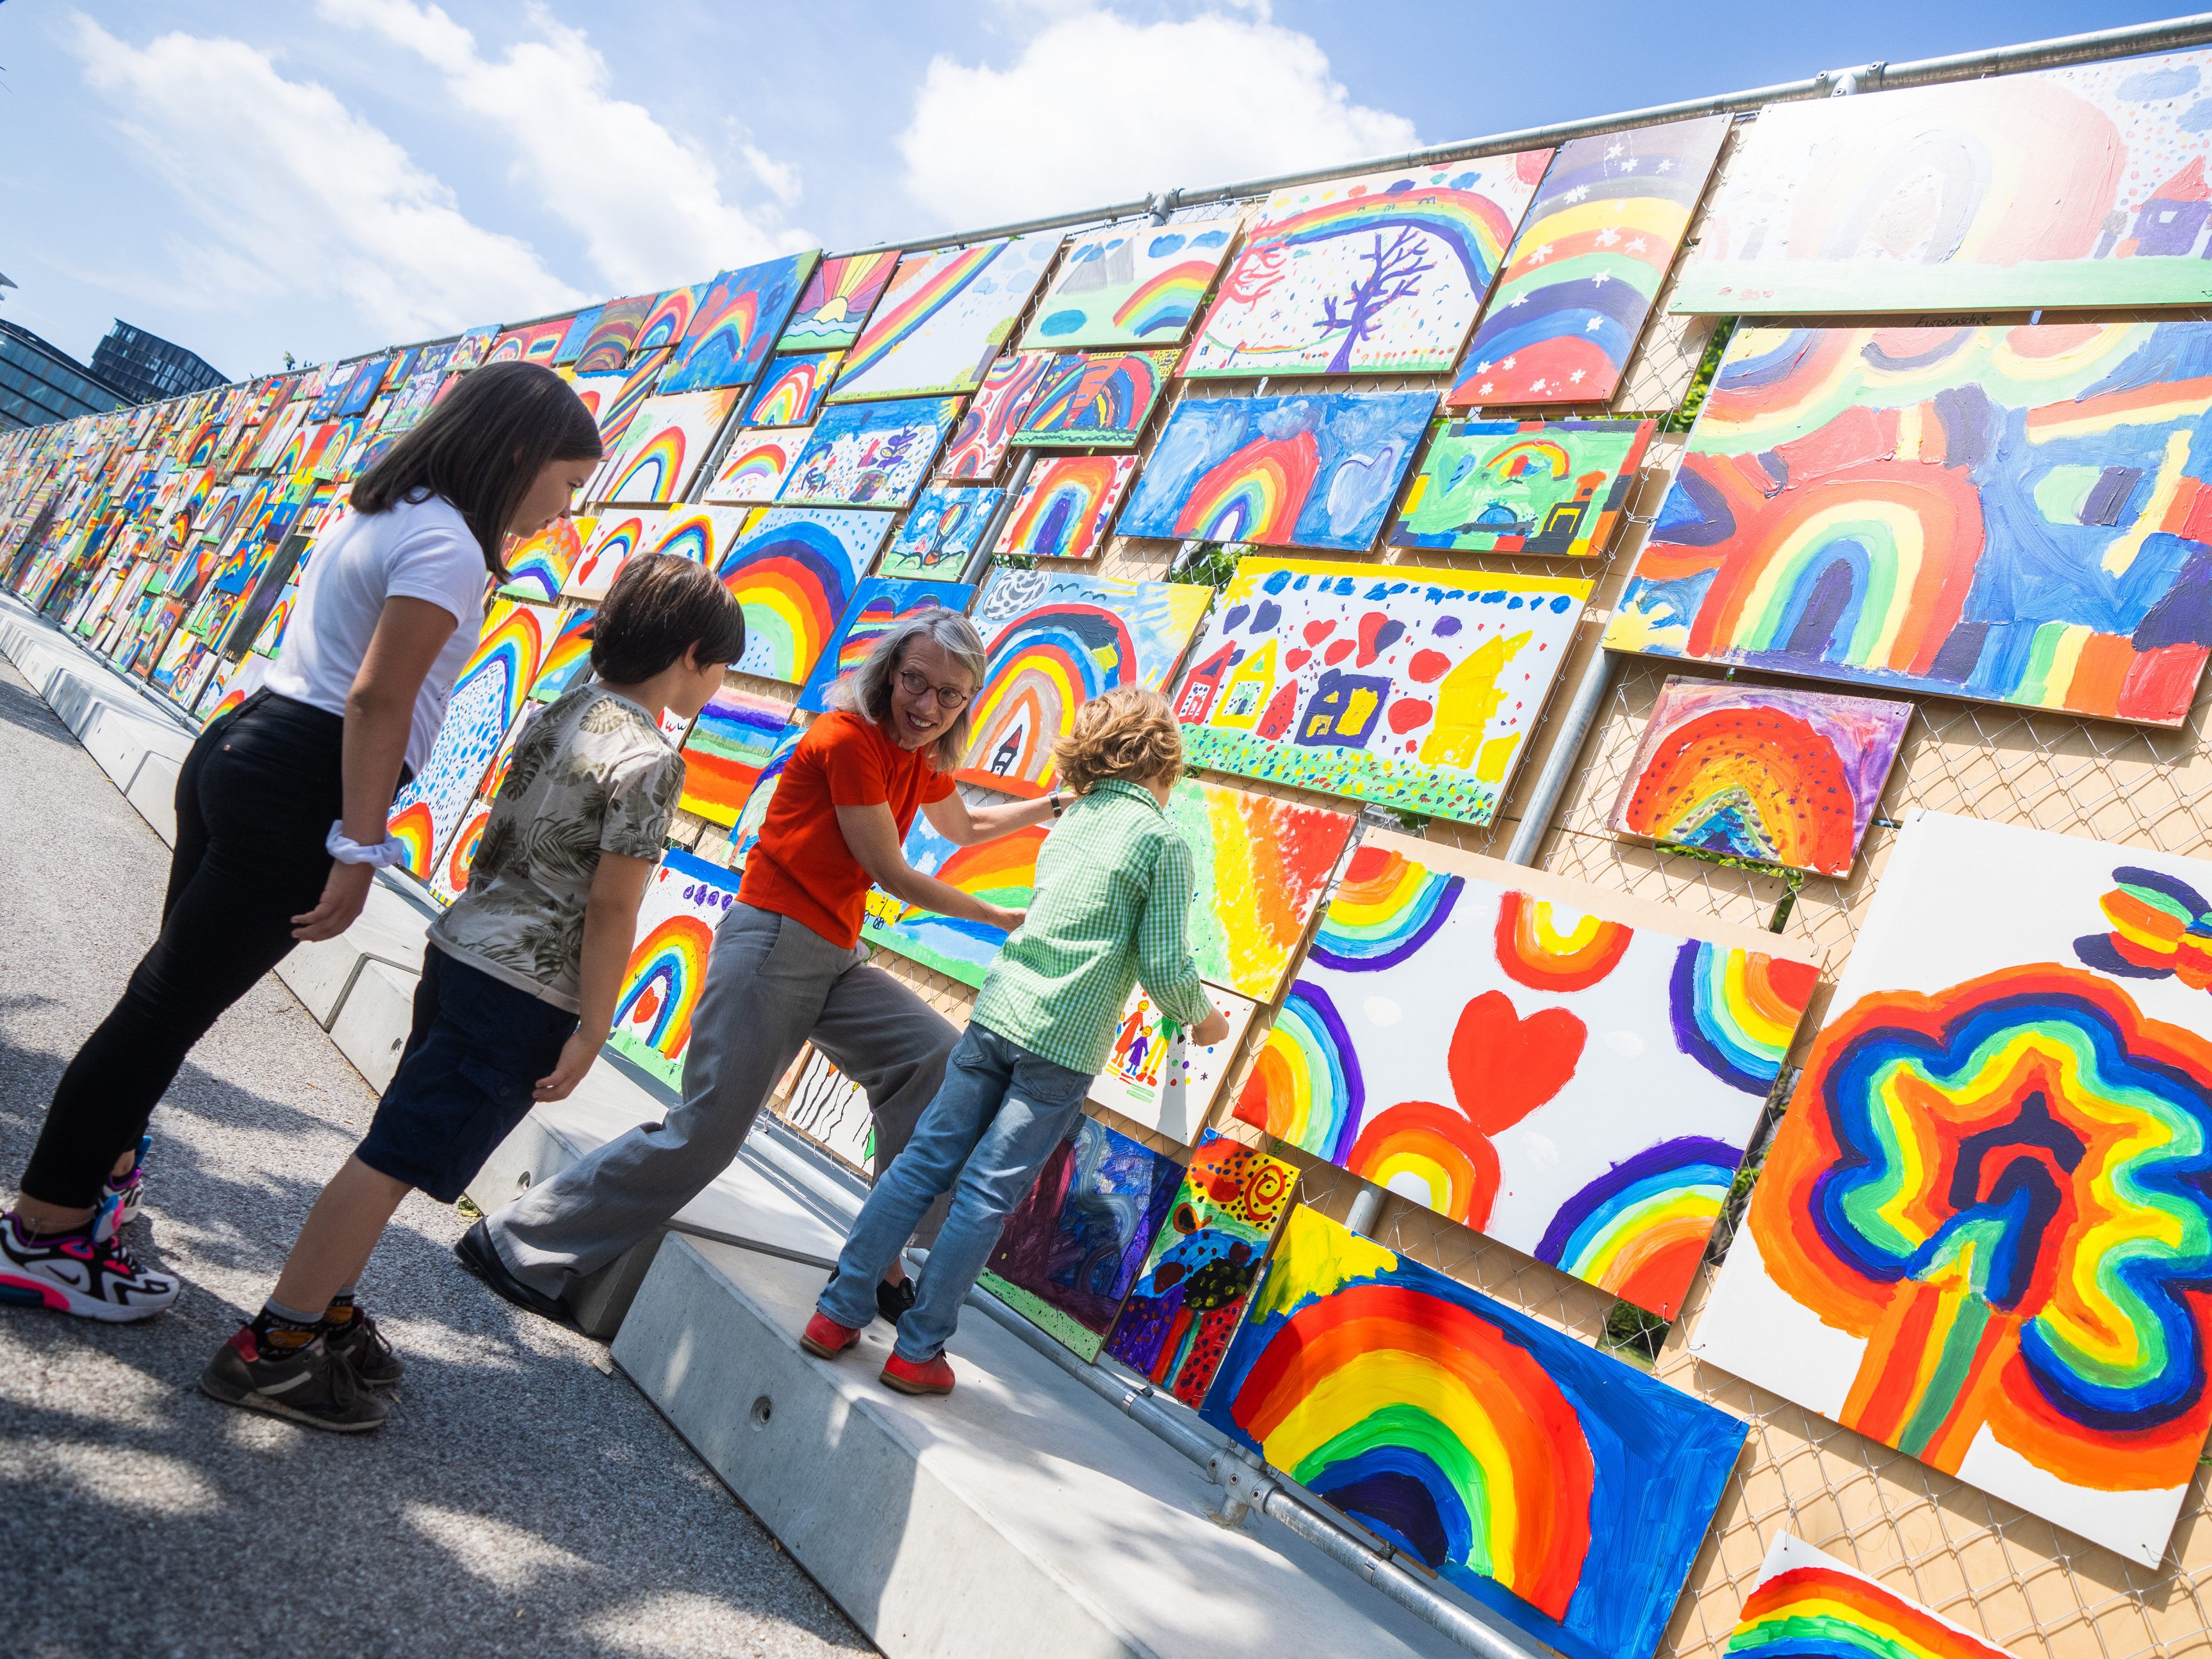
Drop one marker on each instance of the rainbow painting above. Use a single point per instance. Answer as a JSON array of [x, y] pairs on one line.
[[1260, 863], [684, 898], [469, 349], [614, 399], [1807, 1605], [733, 325], [941, 531], [449, 876], [1001, 873], [1156, 1077], [667, 440], [2015, 515], [1983, 1230], [537, 568], [704, 535], [1552, 487], [1562, 1488], [879, 604], [1570, 1070], [978, 449], [1414, 688], [1584, 274], [534, 342], [870, 454], [792, 390], [1317, 470], [363, 385], [1071, 1250], [2078, 187], [614, 331], [747, 829], [944, 317], [486, 700], [756, 463], [567, 657], [617, 535], [1379, 275], [1065, 506], [1096, 400], [667, 322], [576, 336], [1135, 284], [1055, 640], [794, 573], [1174, 1330], [730, 744], [839, 296], [1784, 777], [2157, 927]]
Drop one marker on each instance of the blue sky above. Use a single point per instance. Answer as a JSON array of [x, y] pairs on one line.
[[324, 176]]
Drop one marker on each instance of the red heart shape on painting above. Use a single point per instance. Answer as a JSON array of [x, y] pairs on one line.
[[1503, 1067], [1378, 632], [1317, 632], [1294, 661], [1337, 652]]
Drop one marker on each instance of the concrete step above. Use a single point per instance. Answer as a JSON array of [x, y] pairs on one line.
[[1018, 1516]]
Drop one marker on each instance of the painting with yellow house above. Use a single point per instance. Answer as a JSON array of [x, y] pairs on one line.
[[1416, 689]]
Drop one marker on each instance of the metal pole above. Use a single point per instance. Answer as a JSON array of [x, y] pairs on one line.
[[1366, 1207], [1582, 711], [979, 561]]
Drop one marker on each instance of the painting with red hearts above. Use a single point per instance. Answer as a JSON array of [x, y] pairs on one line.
[[1416, 689], [1572, 1071]]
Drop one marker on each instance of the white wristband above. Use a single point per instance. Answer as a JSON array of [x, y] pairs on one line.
[[385, 854]]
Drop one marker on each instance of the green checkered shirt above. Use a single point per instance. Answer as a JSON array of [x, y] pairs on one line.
[[1113, 900]]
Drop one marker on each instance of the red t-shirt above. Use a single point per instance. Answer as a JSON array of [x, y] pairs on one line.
[[800, 867]]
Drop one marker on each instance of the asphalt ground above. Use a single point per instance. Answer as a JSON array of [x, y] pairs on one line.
[[521, 1500]]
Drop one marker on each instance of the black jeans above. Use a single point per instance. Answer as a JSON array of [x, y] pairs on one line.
[[255, 801]]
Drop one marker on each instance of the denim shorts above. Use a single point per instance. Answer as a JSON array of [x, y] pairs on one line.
[[477, 1051]]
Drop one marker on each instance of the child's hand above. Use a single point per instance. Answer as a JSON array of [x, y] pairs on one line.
[[1213, 1028], [1007, 919], [577, 1054]]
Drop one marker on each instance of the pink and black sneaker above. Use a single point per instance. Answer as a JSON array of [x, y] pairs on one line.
[[87, 1272], [131, 1189]]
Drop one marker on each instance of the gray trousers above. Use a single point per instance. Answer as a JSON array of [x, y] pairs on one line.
[[771, 984]]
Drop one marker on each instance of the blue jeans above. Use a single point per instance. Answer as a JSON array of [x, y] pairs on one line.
[[998, 1118]]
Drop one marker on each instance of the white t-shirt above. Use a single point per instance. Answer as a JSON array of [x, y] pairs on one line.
[[418, 550]]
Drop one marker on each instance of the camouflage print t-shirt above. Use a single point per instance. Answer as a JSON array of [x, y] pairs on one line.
[[592, 774]]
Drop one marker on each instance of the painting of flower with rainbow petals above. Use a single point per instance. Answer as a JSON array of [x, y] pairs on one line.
[[1560, 1487], [1984, 1229], [1570, 1070], [1380, 275]]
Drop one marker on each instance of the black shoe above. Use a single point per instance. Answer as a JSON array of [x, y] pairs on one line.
[[309, 1385], [476, 1253], [892, 1301], [367, 1354]]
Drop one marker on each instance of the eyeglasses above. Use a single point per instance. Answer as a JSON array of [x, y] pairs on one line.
[[917, 685]]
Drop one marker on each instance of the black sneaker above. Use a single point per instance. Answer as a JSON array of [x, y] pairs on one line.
[[480, 1256], [309, 1385], [362, 1346], [892, 1301]]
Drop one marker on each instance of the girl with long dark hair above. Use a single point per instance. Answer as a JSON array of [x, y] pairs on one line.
[[281, 804]]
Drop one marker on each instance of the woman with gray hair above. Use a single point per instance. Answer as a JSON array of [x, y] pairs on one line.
[[787, 967]]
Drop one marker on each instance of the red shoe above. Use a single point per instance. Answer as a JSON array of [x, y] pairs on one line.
[[931, 1376], [825, 1339]]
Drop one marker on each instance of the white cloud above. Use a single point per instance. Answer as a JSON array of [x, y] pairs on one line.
[[1097, 108], [647, 202], [298, 197]]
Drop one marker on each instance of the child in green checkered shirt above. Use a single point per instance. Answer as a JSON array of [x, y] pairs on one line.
[[1113, 899]]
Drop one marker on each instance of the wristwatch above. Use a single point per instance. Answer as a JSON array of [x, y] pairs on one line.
[[1059, 802]]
